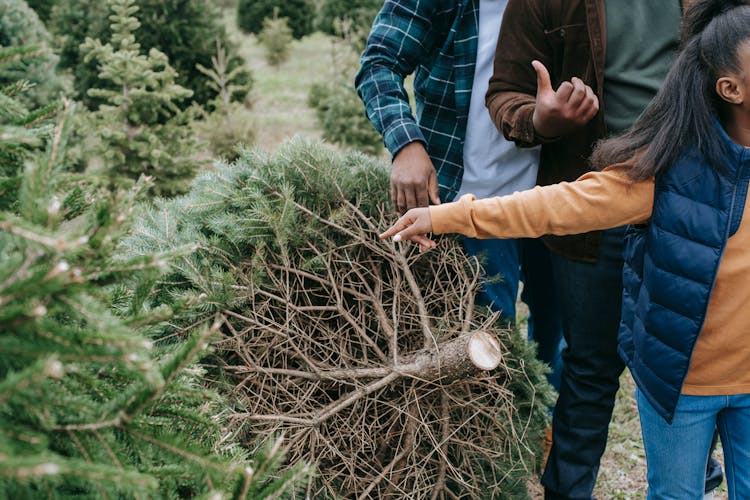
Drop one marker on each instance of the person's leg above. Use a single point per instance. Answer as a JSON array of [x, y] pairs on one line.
[[677, 453], [590, 297], [545, 321], [734, 427], [500, 263]]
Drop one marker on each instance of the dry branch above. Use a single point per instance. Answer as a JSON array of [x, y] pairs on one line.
[[372, 359], [334, 353]]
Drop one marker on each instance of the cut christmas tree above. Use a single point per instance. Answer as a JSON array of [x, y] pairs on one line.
[[355, 349]]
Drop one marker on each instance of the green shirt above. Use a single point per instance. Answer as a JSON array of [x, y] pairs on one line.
[[642, 42]]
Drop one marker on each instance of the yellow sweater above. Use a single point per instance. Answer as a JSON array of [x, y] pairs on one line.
[[601, 200]]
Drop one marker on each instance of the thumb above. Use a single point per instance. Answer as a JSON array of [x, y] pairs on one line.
[[543, 82], [433, 188]]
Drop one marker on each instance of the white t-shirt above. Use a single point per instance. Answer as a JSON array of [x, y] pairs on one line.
[[493, 166]]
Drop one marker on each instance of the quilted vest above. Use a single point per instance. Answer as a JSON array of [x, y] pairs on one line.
[[671, 265]]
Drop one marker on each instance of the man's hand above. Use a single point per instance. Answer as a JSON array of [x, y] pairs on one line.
[[413, 179], [414, 226], [560, 112]]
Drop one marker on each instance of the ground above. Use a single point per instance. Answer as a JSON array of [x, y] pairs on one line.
[[280, 111]]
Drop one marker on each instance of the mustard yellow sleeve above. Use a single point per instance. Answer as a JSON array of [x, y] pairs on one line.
[[596, 200]]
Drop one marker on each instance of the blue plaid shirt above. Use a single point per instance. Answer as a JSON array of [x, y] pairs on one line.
[[437, 41]]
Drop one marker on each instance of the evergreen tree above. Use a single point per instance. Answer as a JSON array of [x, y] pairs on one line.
[[43, 8], [22, 130], [276, 38], [338, 109], [94, 401], [360, 13], [140, 129], [20, 26], [251, 13], [229, 122], [320, 316], [185, 30]]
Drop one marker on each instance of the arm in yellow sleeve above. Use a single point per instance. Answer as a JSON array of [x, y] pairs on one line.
[[596, 200]]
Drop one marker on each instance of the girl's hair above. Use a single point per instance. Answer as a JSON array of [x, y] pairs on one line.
[[681, 114]]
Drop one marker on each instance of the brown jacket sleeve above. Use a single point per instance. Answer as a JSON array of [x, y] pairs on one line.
[[511, 95]]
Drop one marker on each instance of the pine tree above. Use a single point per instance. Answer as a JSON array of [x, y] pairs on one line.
[[338, 109], [276, 38], [140, 129], [251, 13], [344, 343], [20, 26], [228, 123], [94, 401], [22, 130], [185, 30]]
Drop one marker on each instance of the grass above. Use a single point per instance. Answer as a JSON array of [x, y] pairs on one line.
[[279, 99], [279, 95]]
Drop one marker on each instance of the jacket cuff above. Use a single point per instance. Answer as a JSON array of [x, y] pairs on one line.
[[452, 217], [530, 134], [401, 133]]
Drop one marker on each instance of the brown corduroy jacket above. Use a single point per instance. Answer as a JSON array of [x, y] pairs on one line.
[[569, 38]]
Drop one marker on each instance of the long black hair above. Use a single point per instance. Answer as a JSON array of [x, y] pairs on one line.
[[681, 114]]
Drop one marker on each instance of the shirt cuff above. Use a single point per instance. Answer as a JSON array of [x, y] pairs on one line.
[[401, 133]]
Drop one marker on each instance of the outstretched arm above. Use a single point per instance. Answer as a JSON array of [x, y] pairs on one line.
[[597, 200]]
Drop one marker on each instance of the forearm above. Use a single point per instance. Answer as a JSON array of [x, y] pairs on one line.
[[512, 113], [403, 35], [597, 200], [387, 106]]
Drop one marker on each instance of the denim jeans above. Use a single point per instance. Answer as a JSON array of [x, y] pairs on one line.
[[501, 260], [589, 297], [545, 318], [676, 453]]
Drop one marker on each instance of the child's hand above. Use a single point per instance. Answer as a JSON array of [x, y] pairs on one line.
[[414, 226]]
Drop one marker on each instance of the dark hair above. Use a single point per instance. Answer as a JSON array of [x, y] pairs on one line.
[[681, 114]]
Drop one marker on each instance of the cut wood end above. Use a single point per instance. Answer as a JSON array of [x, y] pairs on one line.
[[484, 350]]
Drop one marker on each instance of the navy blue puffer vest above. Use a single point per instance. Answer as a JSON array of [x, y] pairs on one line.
[[671, 265]]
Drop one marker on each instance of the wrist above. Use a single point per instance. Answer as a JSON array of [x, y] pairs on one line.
[[541, 132]]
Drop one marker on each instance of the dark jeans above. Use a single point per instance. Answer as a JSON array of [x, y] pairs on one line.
[[504, 263], [589, 296], [545, 319]]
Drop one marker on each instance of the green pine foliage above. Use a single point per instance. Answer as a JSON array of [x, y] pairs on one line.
[[338, 110], [139, 127], [22, 131], [359, 12], [94, 401], [185, 30], [276, 38], [251, 13], [43, 8], [257, 219], [20, 26], [228, 123], [342, 119]]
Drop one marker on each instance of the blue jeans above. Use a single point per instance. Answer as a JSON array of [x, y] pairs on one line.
[[504, 263], [677, 453], [589, 296]]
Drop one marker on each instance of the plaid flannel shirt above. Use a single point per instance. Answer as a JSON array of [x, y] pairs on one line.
[[437, 41]]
